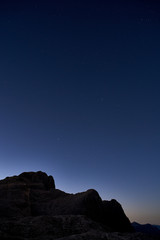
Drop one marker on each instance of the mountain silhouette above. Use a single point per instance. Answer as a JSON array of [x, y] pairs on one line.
[[32, 208], [146, 228]]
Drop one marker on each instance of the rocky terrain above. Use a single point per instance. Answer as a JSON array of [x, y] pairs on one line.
[[32, 208]]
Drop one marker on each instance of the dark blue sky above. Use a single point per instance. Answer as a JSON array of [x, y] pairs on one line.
[[80, 97]]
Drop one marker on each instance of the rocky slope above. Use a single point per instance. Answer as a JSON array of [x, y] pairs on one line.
[[32, 208]]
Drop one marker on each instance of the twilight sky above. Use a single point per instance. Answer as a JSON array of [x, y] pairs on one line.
[[80, 97]]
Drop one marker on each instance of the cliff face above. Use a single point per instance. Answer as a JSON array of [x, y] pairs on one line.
[[33, 194]]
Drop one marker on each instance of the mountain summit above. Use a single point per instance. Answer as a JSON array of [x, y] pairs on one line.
[[33, 197]]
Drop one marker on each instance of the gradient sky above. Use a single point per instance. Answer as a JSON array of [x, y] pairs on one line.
[[80, 97]]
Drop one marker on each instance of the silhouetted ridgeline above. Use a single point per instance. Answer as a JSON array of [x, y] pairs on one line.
[[147, 228], [32, 208]]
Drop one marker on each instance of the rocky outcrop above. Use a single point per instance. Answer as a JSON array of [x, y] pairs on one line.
[[32, 197], [17, 193], [114, 216]]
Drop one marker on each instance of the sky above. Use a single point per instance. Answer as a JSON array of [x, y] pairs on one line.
[[80, 97]]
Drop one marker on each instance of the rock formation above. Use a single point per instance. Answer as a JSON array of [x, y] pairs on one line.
[[31, 204]]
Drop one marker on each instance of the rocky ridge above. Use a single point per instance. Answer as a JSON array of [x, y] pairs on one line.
[[32, 208]]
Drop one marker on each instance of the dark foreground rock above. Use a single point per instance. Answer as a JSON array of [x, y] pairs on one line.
[[48, 227], [32, 208], [34, 194], [66, 227]]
